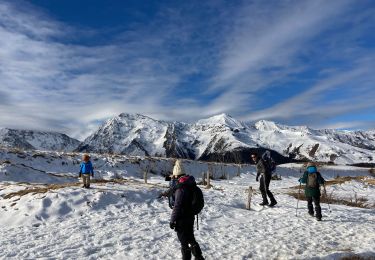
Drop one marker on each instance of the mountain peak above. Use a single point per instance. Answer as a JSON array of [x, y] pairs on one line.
[[221, 119], [135, 117], [265, 125]]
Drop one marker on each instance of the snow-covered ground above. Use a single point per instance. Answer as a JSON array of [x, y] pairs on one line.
[[125, 220]]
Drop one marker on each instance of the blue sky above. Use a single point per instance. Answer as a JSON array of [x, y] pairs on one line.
[[68, 65]]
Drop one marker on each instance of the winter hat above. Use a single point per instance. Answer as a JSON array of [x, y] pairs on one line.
[[178, 170], [311, 167]]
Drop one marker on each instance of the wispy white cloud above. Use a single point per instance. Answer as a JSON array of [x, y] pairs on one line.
[[269, 36], [48, 80], [348, 125], [316, 103]]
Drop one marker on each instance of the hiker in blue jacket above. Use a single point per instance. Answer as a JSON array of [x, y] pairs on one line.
[[86, 169], [313, 179]]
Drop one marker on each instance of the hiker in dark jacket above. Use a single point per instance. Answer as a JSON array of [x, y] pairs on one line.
[[313, 179], [265, 180], [86, 170], [182, 219]]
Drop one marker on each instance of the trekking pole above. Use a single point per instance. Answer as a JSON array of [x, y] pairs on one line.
[[299, 190], [197, 222], [328, 201]]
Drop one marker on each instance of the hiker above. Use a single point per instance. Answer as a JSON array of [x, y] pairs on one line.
[[85, 170], [265, 179], [182, 219], [313, 179]]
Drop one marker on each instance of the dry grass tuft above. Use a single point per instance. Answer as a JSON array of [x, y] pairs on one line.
[[50, 187], [341, 180], [355, 257], [37, 190], [355, 201]]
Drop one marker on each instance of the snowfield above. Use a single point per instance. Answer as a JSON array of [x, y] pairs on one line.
[[121, 218]]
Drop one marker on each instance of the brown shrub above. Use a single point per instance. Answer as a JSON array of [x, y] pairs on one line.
[[354, 201]]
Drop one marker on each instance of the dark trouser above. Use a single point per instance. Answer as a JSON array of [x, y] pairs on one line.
[[318, 209], [185, 233], [264, 189]]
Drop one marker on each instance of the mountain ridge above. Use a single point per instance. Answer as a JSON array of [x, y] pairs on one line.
[[224, 138], [37, 140]]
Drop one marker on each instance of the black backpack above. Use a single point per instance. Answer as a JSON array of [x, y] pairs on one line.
[[197, 202], [269, 163]]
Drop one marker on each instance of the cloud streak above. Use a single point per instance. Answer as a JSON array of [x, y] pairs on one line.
[[188, 62]]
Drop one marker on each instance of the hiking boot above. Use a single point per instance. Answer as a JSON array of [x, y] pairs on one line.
[[273, 203], [319, 219], [186, 254], [83, 186], [311, 214], [197, 252], [264, 203]]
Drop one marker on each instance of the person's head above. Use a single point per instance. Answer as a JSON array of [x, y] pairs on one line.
[[254, 157], [178, 170], [85, 158], [311, 167]]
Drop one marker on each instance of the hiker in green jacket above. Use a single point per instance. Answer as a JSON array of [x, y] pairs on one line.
[[313, 179]]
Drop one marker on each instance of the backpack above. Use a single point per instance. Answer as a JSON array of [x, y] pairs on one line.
[[269, 163], [312, 180], [197, 202]]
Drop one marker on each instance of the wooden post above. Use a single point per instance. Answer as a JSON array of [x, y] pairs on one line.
[[203, 178], [208, 177], [145, 173], [249, 195]]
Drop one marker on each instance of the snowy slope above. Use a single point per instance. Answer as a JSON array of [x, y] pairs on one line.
[[59, 167], [120, 217], [223, 138], [37, 140], [126, 221]]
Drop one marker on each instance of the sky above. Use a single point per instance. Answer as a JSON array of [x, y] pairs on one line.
[[69, 65]]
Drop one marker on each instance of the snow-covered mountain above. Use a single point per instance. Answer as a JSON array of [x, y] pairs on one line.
[[224, 138], [36, 140]]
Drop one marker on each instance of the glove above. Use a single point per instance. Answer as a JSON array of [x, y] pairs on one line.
[[257, 178], [92, 175], [80, 175], [172, 225]]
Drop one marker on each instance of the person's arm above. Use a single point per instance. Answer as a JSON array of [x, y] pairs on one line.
[[304, 178], [166, 193], [320, 179], [80, 170], [91, 169], [177, 209]]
